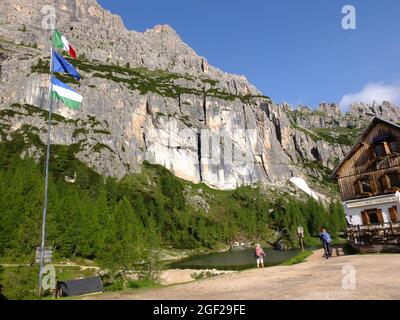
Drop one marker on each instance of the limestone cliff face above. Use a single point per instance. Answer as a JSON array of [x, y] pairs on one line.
[[149, 96]]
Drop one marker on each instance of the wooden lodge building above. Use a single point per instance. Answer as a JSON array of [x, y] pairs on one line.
[[369, 183]]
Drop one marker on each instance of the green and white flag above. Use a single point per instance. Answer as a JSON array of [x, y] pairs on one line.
[[67, 95]]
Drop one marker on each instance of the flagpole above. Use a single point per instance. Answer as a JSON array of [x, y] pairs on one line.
[[46, 183]]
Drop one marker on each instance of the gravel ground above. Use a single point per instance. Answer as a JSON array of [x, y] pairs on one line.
[[376, 277]]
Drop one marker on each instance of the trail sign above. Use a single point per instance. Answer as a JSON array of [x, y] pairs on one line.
[[47, 255]]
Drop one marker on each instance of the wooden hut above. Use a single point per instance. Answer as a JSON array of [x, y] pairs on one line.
[[369, 183], [79, 287]]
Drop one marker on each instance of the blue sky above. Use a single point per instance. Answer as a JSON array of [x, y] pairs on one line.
[[294, 51]]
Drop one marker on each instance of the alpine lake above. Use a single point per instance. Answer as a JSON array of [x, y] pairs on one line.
[[234, 260]]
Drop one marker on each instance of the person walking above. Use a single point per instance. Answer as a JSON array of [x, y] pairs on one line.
[[259, 254], [326, 241]]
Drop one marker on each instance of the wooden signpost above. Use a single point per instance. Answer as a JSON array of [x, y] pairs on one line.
[[47, 256]]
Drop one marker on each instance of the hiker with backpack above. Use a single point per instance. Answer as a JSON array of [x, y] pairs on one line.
[[259, 255], [326, 241]]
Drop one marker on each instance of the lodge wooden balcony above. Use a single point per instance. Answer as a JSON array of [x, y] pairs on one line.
[[374, 234]]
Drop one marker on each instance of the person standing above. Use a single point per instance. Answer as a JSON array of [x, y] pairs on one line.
[[259, 254], [326, 241]]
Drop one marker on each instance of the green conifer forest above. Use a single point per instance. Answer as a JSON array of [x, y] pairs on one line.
[[123, 225]]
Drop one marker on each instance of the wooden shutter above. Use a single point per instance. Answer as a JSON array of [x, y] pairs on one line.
[[370, 154], [374, 185], [393, 214], [380, 215], [357, 187], [386, 148], [385, 182], [365, 218]]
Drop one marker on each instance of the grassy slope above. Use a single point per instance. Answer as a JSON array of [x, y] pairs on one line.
[[145, 80]]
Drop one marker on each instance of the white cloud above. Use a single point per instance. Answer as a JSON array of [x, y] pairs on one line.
[[371, 92]]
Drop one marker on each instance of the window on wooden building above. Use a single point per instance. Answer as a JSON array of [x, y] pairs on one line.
[[385, 145], [394, 180], [391, 181], [372, 216], [364, 186], [379, 152], [393, 147]]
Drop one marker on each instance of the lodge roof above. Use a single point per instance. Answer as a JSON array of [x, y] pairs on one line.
[[358, 144]]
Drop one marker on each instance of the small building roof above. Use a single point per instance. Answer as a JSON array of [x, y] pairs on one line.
[[358, 144], [80, 286]]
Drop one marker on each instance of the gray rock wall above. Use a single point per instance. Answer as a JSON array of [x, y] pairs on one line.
[[197, 121]]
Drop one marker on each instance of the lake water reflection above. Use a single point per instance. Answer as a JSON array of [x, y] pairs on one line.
[[234, 260]]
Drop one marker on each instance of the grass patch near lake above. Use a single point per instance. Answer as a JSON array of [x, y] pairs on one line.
[[143, 283], [301, 257], [119, 284], [74, 272]]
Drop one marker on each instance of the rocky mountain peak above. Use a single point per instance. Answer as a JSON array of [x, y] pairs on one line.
[[330, 109], [100, 35], [386, 110], [303, 109], [67, 12], [163, 29]]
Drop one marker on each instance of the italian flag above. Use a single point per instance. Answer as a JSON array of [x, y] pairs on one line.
[[68, 96], [60, 42]]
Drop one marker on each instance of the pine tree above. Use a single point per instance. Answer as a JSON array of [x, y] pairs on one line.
[[152, 246], [29, 206], [124, 240], [3, 235], [140, 208], [336, 220], [90, 229], [68, 223]]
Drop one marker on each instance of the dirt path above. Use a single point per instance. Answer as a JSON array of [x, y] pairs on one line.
[[10, 265], [377, 277]]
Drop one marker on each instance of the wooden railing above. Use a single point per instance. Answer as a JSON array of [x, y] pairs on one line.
[[386, 233]]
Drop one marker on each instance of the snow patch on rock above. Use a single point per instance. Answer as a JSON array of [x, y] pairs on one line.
[[302, 185]]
